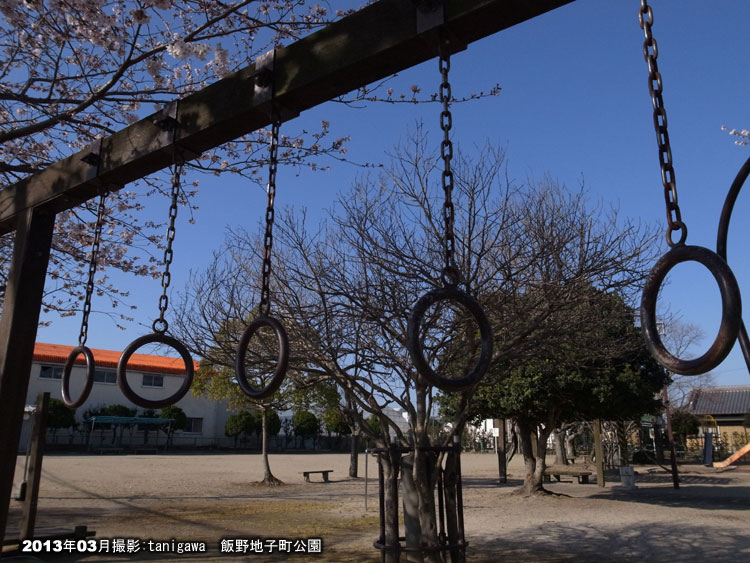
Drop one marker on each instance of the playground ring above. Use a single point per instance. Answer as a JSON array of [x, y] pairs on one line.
[[77, 351], [731, 304], [122, 367], [281, 364], [414, 344], [721, 241]]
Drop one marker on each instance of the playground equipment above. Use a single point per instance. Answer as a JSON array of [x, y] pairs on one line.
[[383, 38], [715, 262], [264, 318], [450, 275], [160, 325], [734, 457], [82, 348]]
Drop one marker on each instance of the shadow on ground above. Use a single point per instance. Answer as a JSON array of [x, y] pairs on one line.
[[587, 544], [687, 479], [702, 498], [488, 483]]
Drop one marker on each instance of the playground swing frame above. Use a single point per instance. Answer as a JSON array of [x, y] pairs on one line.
[[378, 41]]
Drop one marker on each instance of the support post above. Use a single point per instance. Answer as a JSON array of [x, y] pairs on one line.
[[670, 436], [18, 325], [599, 452], [502, 468], [35, 467]]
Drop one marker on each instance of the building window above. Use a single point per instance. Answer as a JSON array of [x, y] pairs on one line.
[[153, 380], [51, 372], [105, 376], [194, 425]]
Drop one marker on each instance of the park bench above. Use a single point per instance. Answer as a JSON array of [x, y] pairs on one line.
[[557, 472], [324, 472], [145, 451]]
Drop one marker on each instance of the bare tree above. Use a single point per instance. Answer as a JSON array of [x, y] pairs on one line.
[[210, 318], [558, 309], [680, 337], [344, 289]]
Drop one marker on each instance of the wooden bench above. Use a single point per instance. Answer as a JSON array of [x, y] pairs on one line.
[[145, 451], [324, 472], [557, 472]]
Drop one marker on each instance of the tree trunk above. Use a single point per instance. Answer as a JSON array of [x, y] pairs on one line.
[[560, 455], [534, 450], [570, 448], [389, 465], [622, 442], [268, 478], [511, 443], [530, 486], [425, 471], [410, 500], [354, 455]]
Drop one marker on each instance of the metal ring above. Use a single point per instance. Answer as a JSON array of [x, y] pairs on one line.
[[66, 376], [721, 242], [414, 344], [677, 226], [281, 363], [731, 310], [122, 367]]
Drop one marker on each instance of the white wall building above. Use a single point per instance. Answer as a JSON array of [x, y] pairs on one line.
[[150, 376]]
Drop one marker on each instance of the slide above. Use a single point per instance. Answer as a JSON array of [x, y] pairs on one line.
[[734, 457]]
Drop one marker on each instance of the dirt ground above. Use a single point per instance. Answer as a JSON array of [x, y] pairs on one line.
[[210, 498]]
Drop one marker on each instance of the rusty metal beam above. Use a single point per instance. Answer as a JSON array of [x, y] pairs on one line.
[[384, 38]]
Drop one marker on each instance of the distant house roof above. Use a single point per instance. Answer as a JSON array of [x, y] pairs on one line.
[[730, 400], [58, 354]]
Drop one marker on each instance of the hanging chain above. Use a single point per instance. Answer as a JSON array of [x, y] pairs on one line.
[[92, 270], [450, 272], [160, 325], [650, 53], [273, 163]]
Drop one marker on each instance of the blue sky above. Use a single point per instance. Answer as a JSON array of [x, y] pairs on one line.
[[574, 104]]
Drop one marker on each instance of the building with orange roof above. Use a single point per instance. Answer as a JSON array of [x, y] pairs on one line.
[[150, 376]]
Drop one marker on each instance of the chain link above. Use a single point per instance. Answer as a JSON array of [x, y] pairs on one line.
[[450, 272], [160, 325], [92, 269], [273, 163], [651, 53]]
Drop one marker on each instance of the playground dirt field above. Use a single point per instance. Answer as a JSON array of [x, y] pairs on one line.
[[204, 499]]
